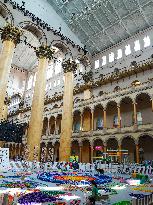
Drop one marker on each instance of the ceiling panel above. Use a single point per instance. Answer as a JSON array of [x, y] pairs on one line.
[[113, 20]]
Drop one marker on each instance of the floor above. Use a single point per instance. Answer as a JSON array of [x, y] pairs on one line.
[[18, 184]]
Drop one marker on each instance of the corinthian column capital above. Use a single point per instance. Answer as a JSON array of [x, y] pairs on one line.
[[69, 66], [44, 51], [11, 33]]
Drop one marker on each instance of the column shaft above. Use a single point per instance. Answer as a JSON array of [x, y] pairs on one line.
[[48, 127], [92, 120], [105, 119], [119, 117], [91, 147], [5, 66], [80, 153], [67, 118], [137, 154], [120, 153], [36, 120], [81, 122], [55, 132], [135, 113]]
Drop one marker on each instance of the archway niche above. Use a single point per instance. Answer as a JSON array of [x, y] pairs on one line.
[[50, 152], [76, 121], [42, 152], [56, 151], [86, 120], [52, 125], [126, 108], [75, 151], [98, 148], [146, 147], [86, 156], [112, 144], [58, 124], [98, 117], [128, 143], [45, 126], [144, 109], [112, 117]]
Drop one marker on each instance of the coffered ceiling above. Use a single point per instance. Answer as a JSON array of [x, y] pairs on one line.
[[102, 23]]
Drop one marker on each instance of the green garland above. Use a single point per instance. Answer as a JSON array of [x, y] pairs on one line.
[[123, 203]]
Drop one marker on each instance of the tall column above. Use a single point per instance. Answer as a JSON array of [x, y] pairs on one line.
[[105, 118], [4, 112], [67, 119], [55, 132], [81, 121], [135, 113], [137, 154], [80, 148], [48, 126], [120, 152], [152, 104], [105, 147], [91, 148], [92, 119], [119, 116], [10, 37], [44, 53]]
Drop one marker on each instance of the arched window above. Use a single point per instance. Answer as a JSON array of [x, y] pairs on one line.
[[137, 45], [58, 82], [146, 41], [58, 65], [55, 83], [99, 124], [76, 126], [127, 49], [50, 70], [119, 53], [103, 60], [111, 57], [30, 82], [96, 64]]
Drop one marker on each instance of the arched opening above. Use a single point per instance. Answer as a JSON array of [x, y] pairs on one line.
[[17, 150], [126, 109], [24, 54], [75, 151], [128, 143], [112, 149], [10, 151], [145, 147], [45, 126], [86, 156], [43, 152], [52, 125], [76, 121], [144, 109], [112, 116], [6, 15], [56, 151], [50, 152], [60, 45], [58, 124], [98, 117], [98, 148], [86, 120]]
